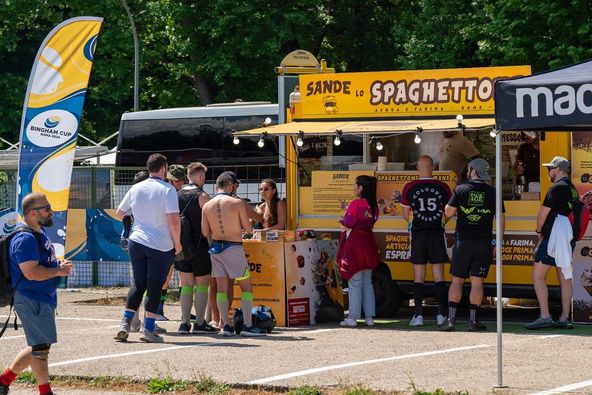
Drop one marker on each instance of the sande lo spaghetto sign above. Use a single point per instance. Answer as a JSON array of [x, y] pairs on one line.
[[412, 93]]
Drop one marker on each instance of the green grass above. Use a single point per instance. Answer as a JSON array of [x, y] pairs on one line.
[[159, 385], [305, 390], [360, 390], [207, 385], [26, 377]]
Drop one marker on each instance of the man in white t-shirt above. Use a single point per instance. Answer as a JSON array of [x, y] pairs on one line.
[[153, 243]]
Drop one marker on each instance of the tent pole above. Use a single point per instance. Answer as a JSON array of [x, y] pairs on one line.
[[498, 255]]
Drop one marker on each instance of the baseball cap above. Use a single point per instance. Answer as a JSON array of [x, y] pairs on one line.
[[558, 162], [532, 135], [177, 173], [481, 166], [230, 175]]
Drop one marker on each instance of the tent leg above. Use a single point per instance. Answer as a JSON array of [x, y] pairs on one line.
[[498, 255]]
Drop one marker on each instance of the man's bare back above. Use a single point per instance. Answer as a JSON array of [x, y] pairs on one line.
[[224, 218]]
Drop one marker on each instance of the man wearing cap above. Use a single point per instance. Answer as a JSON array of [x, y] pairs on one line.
[[224, 218], [556, 244], [472, 254], [455, 152]]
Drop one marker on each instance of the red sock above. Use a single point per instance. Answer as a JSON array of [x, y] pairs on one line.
[[45, 389], [7, 377]]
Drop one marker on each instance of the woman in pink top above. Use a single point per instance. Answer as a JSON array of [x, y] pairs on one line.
[[358, 255]]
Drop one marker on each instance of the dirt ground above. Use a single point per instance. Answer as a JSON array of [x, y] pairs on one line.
[[390, 357]]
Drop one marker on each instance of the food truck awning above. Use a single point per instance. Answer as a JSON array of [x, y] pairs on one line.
[[554, 100], [369, 126]]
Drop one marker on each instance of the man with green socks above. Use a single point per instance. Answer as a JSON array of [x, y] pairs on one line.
[[195, 269], [224, 219]]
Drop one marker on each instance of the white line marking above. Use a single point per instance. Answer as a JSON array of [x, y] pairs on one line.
[[565, 388], [125, 354], [316, 331], [352, 364], [80, 319], [12, 337], [550, 336]]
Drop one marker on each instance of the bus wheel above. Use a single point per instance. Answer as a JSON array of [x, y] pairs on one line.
[[388, 295]]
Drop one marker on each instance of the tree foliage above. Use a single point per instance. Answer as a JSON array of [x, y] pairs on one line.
[[195, 52]]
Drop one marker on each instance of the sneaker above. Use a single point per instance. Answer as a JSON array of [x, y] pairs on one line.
[[476, 327], [227, 331], [3, 389], [150, 337], [161, 317], [540, 323], [184, 328], [348, 323], [124, 330], [447, 326], [369, 321], [136, 324], [252, 331], [417, 320], [564, 324], [440, 319], [159, 329], [204, 328]]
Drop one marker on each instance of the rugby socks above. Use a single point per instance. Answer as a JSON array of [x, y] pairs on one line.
[[163, 293], [418, 297], [246, 305], [7, 377], [473, 310], [452, 307], [441, 297], [186, 300], [128, 315], [45, 389], [200, 300], [149, 324], [222, 302]]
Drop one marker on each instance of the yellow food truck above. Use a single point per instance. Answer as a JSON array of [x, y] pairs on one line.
[[345, 124]]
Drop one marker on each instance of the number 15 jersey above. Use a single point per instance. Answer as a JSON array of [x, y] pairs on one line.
[[427, 198]]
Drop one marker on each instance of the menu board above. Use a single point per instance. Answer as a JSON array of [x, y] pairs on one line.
[[389, 185], [330, 188]]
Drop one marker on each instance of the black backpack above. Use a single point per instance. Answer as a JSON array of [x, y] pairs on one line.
[[187, 239], [6, 289]]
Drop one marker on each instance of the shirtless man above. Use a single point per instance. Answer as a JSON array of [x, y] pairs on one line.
[[224, 218]]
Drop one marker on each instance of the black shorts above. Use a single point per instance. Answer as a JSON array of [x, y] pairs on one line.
[[471, 258], [428, 247], [199, 265], [541, 252]]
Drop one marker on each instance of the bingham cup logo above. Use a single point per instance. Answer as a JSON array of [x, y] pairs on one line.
[[52, 128], [52, 121], [330, 104]]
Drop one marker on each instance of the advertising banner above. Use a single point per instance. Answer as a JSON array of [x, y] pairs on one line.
[[51, 117], [581, 176], [389, 186], [330, 188], [409, 93], [313, 282], [266, 264]]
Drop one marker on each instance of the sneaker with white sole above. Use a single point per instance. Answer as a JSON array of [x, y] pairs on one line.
[[417, 320], [252, 331], [440, 319], [348, 323], [159, 329], [204, 328], [369, 321], [124, 330], [161, 317], [150, 337], [228, 331], [184, 328]]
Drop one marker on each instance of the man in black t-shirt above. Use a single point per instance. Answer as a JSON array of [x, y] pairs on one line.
[[195, 270], [472, 254], [426, 198], [559, 200]]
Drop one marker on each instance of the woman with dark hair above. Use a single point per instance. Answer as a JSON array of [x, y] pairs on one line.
[[358, 255], [273, 208]]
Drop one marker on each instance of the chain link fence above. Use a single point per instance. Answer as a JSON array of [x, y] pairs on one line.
[[101, 188]]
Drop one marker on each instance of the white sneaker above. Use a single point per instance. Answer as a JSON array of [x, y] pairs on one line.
[[348, 323], [440, 319], [417, 320], [369, 321]]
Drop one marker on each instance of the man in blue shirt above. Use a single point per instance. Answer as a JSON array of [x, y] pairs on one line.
[[34, 270]]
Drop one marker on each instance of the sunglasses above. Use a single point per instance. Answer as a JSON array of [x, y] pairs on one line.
[[48, 208]]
